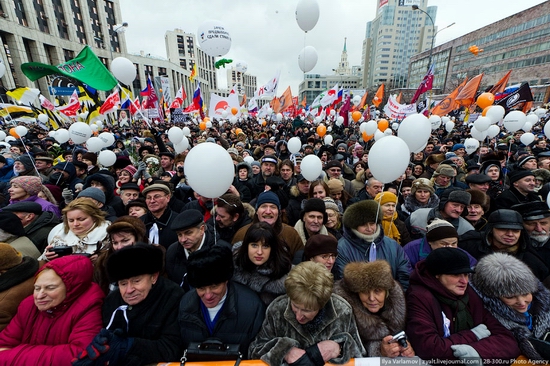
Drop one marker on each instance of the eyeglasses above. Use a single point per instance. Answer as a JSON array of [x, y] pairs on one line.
[[156, 197], [326, 257]]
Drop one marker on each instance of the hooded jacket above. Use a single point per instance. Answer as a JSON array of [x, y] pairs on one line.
[[6, 172], [57, 335], [425, 321], [38, 230]]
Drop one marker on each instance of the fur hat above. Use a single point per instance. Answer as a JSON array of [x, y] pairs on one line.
[[445, 169], [440, 229], [479, 198], [454, 195], [317, 205], [134, 261], [209, 266], [320, 244], [31, 184], [366, 276], [434, 159], [448, 261], [9, 257], [502, 275], [90, 156], [362, 212], [422, 183]]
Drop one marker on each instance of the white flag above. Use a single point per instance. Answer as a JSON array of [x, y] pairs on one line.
[[219, 104], [269, 89]]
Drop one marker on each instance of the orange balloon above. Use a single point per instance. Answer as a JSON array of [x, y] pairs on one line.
[[356, 116], [485, 110], [206, 119], [13, 133], [202, 126], [264, 123], [485, 100], [238, 131], [321, 130], [383, 125], [234, 111], [367, 137]]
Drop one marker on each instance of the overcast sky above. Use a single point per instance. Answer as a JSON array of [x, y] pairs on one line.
[[266, 36]]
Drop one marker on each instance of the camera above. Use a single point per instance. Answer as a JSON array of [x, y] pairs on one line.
[[180, 169], [400, 338], [62, 250]]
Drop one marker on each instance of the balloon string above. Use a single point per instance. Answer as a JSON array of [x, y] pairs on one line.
[[32, 160]]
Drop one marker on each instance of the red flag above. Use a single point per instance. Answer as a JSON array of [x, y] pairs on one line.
[[180, 97], [109, 105], [425, 84], [345, 110], [72, 107], [134, 106], [44, 102]]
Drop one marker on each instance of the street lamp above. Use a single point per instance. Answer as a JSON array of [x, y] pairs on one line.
[[118, 28], [415, 7]]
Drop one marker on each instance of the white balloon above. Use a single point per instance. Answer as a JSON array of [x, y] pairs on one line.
[[388, 132], [294, 145], [471, 145], [445, 119], [378, 135], [356, 100], [43, 118], [241, 66], [435, 121], [329, 129], [21, 131], [371, 127], [307, 59], [2, 135], [99, 124], [62, 135], [514, 120], [198, 169], [527, 126], [495, 113], [279, 117], [362, 127], [328, 139], [94, 127], [249, 159], [214, 38], [269, 111], [124, 70], [415, 130], [10, 138], [527, 138], [311, 167], [307, 14], [532, 118], [339, 121], [186, 131], [395, 126], [540, 112], [233, 120], [332, 112], [449, 126], [492, 131], [387, 167], [94, 144], [478, 135], [80, 132], [108, 138], [482, 123], [175, 135], [106, 158], [225, 113], [2, 69], [181, 146]]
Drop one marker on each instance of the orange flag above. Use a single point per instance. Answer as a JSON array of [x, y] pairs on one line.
[[284, 101], [399, 97], [244, 100], [363, 100], [468, 93], [378, 96], [449, 104], [303, 103], [501, 85]]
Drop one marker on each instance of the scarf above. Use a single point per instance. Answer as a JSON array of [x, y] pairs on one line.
[[390, 230], [462, 320], [528, 318]]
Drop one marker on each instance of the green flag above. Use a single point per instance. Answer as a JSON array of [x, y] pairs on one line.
[[86, 68]]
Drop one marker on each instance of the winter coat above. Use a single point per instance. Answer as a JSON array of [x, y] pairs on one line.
[[411, 204], [418, 221], [512, 196], [372, 328], [46, 205], [425, 322], [88, 244], [280, 332], [16, 284], [153, 324], [6, 172], [354, 249], [227, 233], [287, 234], [166, 235], [57, 335], [38, 230], [239, 319], [302, 231], [515, 321], [295, 205], [260, 281], [25, 246], [419, 249]]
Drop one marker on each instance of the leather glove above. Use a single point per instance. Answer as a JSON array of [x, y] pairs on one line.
[[481, 331], [119, 345], [95, 349], [67, 195], [466, 352]]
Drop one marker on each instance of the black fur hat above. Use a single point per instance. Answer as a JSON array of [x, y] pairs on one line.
[[134, 261], [210, 266], [362, 212], [317, 205]]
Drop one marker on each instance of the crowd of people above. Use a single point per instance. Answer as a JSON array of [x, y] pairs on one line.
[[128, 265]]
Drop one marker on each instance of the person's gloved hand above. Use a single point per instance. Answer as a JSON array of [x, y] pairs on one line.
[[119, 345], [67, 195], [146, 175], [140, 168], [466, 352], [481, 331], [95, 349]]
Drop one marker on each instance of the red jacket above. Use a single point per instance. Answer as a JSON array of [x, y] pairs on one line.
[[56, 336], [425, 323]]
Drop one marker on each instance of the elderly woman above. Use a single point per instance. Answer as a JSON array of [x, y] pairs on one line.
[[378, 305], [392, 225], [61, 318], [27, 188], [309, 325], [422, 196], [141, 319], [475, 211], [447, 317], [321, 249], [334, 218], [512, 293], [83, 230]]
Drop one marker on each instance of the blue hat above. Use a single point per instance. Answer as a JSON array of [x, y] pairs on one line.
[[458, 146], [268, 197]]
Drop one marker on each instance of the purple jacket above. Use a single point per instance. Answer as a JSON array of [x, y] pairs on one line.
[[46, 205], [419, 249]]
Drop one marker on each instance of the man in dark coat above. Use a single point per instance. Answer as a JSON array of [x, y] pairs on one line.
[[217, 307], [159, 216], [522, 190]]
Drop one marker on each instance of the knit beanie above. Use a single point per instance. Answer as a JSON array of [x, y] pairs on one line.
[[519, 174], [362, 212], [335, 186], [366, 276], [320, 244], [130, 169], [268, 197], [524, 159], [90, 156], [314, 204], [330, 204], [9, 257], [385, 197], [502, 275], [93, 192], [422, 183], [440, 229], [31, 184], [27, 162]]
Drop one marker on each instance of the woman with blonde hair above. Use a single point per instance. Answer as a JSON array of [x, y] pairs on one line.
[[82, 231], [391, 224]]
